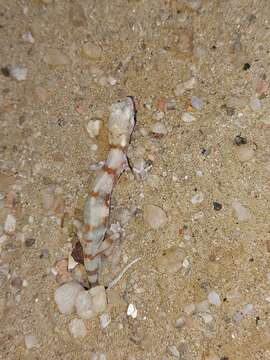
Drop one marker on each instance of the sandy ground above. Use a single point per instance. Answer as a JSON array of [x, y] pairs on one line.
[[148, 49]]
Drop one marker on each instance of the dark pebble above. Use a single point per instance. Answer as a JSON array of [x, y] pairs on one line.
[[246, 66], [77, 253], [217, 206], [5, 71], [17, 282], [44, 254], [30, 242], [240, 140]]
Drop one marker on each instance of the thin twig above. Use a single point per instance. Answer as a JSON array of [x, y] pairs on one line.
[[118, 277]]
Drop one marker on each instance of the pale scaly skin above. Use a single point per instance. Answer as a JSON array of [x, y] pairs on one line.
[[97, 206]]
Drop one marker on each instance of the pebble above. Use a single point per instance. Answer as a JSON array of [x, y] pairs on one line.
[[97, 356], [197, 199], [197, 103], [171, 260], [77, 328], [173, 351], [244, 152], [99, 299], [17, 282], [31, 341], [141, 168], [93, 128], [193, 4], [65, 296], [214, 298], [10, 224], [84, 305], [132, 311], [241, 212], [255, 104], [105, 320], [190, 309], [77, 15], [29, 242], [180, 322], [154, 216], [187, 117], [91, 51], [207, 318], [202, 306], [159, 128], [55, 57], [262, 87], [217, 206], [18, 73], [41, 93], [28, 37], [183, 87]]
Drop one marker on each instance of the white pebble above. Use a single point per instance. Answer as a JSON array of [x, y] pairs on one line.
[[255, 104], [241, 212], [197, 199], [154, 216], [97, 356], [10, 224], [105, 320], [159, 128], [187, 85], [65, 296], [247, 309], [197, 103], [172, 350], [207, 318], [202, 306], [132, 311], [180, 322], [28, 37], [93, 128], [71, 262], [31, 341], [84, 305], [187, 117], [189, 309], [214, 298], [77, 328], [18, 73]]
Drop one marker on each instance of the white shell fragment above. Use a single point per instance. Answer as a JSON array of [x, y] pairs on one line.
[[132, 311], [93, 128], [18, 73], [77, 328], [65, 296], [99, 299]]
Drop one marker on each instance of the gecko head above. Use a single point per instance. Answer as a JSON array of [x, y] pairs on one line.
[[121, 122]]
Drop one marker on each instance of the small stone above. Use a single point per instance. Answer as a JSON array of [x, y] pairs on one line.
[[241, 212], [197, 199], [214, 298], [99, 299], [173, 351], [41, 93], [28, 37], [247, 309], [202, 306], [190, 309], [159, 128], [91, 51], [29, 242], [240, 140], [180, 322], [154, 216], [77, 328], [93, 128], [31, 341], [246, 66], [65, 296], [71, 262], [193, 4], [207, 318], [244, 153], [97, 356], [255, 104], [141, 168], [84, 305], [105, 320], [10, 224], [18, 73], [187, 117], [55, 57], [17, 282], [262, 87], [132, 311], [171, 260], [183, 87], [197, 103], [217, 206]]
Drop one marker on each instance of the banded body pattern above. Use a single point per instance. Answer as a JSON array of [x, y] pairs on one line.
[[97, 207]]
